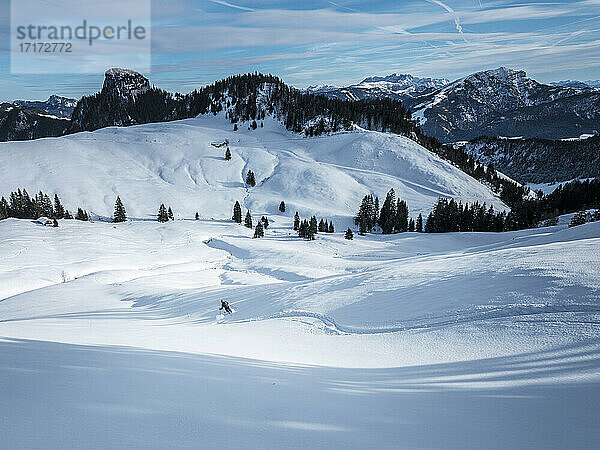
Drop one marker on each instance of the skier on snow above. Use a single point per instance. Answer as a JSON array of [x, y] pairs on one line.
[[225, 306]]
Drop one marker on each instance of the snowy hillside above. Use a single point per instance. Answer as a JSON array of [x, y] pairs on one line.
[[111, 333], [174, 163], [112, 337]]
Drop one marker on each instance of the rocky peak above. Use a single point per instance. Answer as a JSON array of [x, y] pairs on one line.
[[124, 83]]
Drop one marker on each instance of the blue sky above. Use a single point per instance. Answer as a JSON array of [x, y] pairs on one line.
[[341, 42]]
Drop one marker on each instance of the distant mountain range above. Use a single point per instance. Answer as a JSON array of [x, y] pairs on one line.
[[57, 106], [24, 120], [500, 102]]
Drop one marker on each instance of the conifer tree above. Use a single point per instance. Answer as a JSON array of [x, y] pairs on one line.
[[67, 215], [120, 215], [250, 180], [419, 224], [366, 213], [237, 212], [411, 225], [401, 222], [313, 225], [81, 215], [282, 207], [321, 226], [387, 215], [227, 154], [259, 231], [331, 228], [3, 209], [235, 127], [59, 210], [265, 222], [197, 217], [163, 216], [349, 234], [170, 214], [296, 221], [248, 220], [376, 211]]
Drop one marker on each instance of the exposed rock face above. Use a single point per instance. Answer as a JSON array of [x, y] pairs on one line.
[[124, 83]]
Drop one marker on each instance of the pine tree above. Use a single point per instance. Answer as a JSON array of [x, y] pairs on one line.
[[349, 234], [67, 215], [387, 216], [248, 220], [259, 231], [170, 214], [419, 224], [265, 222], [331, 229], [250, 180], [227, 154], [366, 213], [81, 215], [321, 226], [282, 207], [296, 221], [235, 127], [120, 215], [59, 210], [3, 209], [401, 222], [429, 226], [197, 217], [237, 212], [411, 225], [313, 225], [376, 212], [163, 216]]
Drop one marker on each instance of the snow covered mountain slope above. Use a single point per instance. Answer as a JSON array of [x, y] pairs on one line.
[[174, 163], [434, 339]]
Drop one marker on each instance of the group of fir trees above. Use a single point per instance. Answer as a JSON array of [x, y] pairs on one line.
[[21, 205], [325, 226], [307, 229], [261, 226], [164, 214], [82, 215], [582, 217], [449, 216], [392, 218]]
